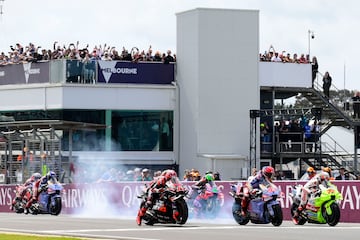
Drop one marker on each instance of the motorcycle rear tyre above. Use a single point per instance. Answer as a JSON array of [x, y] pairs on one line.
[[301, 220], [213, 207], [236, 211], [19, 207]]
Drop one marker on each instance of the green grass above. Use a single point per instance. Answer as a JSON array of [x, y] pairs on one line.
[[10, 236]]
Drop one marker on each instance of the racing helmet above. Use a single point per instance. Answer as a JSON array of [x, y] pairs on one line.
[[51, 175], [328, 170], [324, 176], [268, 171], [168, 174], [36, 176], [209, 177], [311, 171], [195, 175]]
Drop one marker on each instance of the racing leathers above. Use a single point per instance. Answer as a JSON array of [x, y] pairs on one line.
[[202, 187], [263, 176], [312, 187], [156, 187], [39, 186]]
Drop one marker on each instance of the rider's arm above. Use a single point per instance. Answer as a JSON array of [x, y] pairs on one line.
[[255, 183]]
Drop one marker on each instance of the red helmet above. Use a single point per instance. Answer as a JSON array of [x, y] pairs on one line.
[[268, 171], [168, 174]]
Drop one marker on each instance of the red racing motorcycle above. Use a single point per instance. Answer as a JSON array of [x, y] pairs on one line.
[[162, 210], [20, 201]]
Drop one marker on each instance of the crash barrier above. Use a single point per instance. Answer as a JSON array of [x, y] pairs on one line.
[[121, 198]]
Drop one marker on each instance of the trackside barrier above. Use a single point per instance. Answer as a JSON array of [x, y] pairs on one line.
[[121, 198]]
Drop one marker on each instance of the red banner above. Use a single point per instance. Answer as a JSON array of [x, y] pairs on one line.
[[120, 199]]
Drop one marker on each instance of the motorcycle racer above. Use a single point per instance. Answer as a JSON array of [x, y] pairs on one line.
[[311, 187], [203, 195], [157, 186], [263, 176], [28, 184], [311, 173], [39, 186]]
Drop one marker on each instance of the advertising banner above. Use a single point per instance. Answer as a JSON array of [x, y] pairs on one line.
[[128, 72], [120, 199], [25, 73]]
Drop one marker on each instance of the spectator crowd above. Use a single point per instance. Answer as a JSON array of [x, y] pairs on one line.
[[273, 56], [33, 53]]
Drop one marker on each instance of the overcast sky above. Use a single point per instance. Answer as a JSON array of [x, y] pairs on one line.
[[283, 24]]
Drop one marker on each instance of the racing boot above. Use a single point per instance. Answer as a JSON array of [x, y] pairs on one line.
[[13, 203], [295, 218], [140, 215], [176, 216], [29, 204]]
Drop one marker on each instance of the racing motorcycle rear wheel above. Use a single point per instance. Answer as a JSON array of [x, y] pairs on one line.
[[301, 220], [236, 211], [19, 206], [212, 207]]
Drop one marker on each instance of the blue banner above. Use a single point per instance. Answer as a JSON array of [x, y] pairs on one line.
[[128, 72]]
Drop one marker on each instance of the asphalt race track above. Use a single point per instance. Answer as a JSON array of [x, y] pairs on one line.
[[126, 228]]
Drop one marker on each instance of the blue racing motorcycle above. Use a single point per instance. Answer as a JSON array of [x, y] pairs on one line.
[[263, 207], [49, 199]]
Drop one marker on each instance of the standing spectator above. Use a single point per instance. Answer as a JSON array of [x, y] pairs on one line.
[[326, 84], [168, 59], [88, 69], [287, 58], [157, 57], [157, 174], [276, 58], [253, 175], [145, 175], [106, 57], [356, 104], [295, 58], [280, 175], [187, 175], [129, 175], [302, 58], [217, 176], [137, 174], [342, 175], [314, 69]]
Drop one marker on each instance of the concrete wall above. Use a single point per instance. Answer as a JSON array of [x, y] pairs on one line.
[[274, 74], [217, 73], [113, 96]]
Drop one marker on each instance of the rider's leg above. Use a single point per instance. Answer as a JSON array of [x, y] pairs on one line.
[[142, 210], [245, 201], [303, 201]]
